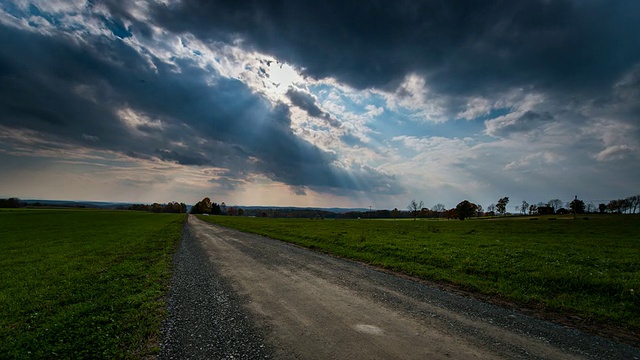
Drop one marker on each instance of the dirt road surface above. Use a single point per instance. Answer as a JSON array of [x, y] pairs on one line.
[[298, 304]]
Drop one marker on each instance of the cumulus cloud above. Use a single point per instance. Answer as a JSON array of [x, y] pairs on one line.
[[476, 107]]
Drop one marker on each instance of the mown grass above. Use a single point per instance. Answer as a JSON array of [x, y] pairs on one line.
[[589, 268], [83, 283]]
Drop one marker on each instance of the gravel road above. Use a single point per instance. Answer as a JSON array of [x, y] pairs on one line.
[[243, 296], [207, 319]]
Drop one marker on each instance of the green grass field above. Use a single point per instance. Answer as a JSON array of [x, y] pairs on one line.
[[589, 268], [84, 283]]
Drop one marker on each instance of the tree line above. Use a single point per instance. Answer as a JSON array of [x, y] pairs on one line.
[[415, 209], [628, 205], [171, 207], [12, 203], [466, 209]]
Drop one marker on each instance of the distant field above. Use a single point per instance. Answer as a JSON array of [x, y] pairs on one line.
[[589, 268], [83, 283]]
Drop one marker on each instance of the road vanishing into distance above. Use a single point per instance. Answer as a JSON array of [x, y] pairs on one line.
[[242, 296]]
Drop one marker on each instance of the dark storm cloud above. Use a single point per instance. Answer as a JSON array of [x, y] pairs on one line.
[[226, 184], [38, 81], [80, 92], [462, 47], [307, 102], [172, 155], [301, 163], [300, 191]]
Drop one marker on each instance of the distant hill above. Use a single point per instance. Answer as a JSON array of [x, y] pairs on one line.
[[77, 204], [293, 208]]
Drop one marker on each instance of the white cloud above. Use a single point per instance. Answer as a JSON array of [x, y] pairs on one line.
[[435, 164], [438, 144], [628, 87], [138, 122], [534, 161], [616, 152], [616, 138], [526, 117], [476, 107], [373, 110], [413, 94]]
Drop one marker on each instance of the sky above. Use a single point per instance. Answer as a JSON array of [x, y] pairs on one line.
[[320, 103]]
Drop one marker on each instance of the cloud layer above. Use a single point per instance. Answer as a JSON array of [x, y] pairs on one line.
[[102, 93], [343, 102]]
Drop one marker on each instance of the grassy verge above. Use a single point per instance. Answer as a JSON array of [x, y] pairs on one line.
[[589, 268], [83, 283]]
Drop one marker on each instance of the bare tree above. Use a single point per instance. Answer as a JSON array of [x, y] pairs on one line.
[[634, 203], [438, 209], [492, 209], [525, 207], [556, 204], [618, 205], [414, 207]]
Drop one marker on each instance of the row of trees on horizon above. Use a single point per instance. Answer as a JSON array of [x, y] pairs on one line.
[[170, 207], [415, 209], [466, 209]]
